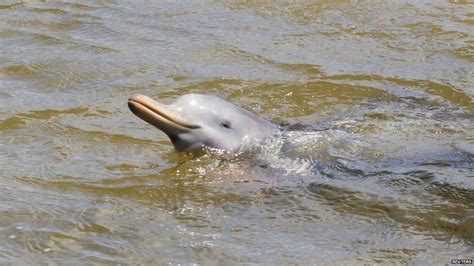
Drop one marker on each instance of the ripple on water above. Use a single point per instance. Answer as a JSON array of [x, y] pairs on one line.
[[54, 11], [12, 6], [56, 75], [438, 219], [379, 170]]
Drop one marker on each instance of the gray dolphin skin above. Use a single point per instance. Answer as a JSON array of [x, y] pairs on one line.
[[194, 121]]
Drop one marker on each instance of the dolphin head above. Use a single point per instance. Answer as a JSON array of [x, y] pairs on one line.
[[194, 121]]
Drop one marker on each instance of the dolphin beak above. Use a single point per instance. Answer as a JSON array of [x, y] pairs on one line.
[[159, 115]]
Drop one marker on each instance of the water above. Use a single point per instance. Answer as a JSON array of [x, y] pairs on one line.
[[380, 169]]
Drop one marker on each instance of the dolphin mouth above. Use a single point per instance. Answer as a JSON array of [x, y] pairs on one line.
[[158, 115]]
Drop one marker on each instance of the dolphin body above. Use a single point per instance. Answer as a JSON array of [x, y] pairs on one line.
[[195, 121]]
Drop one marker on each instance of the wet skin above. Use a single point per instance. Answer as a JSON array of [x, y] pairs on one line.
[[194, 121]]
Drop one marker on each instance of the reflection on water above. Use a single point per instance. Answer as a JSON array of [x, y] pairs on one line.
[[376, 164]]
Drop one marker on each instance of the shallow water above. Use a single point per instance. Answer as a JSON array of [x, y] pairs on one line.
[[381, 170]]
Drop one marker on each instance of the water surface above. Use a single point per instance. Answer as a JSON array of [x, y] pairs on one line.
[[379, 170]]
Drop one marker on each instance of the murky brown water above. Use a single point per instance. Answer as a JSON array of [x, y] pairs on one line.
[[382, 171]]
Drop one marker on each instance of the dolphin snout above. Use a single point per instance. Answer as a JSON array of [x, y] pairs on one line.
[[132, 102], [136, 97], [159, 115], [138, 101]]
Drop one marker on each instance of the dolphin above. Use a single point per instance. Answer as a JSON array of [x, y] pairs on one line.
[[195, 121]]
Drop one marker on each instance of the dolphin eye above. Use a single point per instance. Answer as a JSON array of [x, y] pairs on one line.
[[226, 124]]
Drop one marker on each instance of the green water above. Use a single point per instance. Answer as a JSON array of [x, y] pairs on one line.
[[384, 175]]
